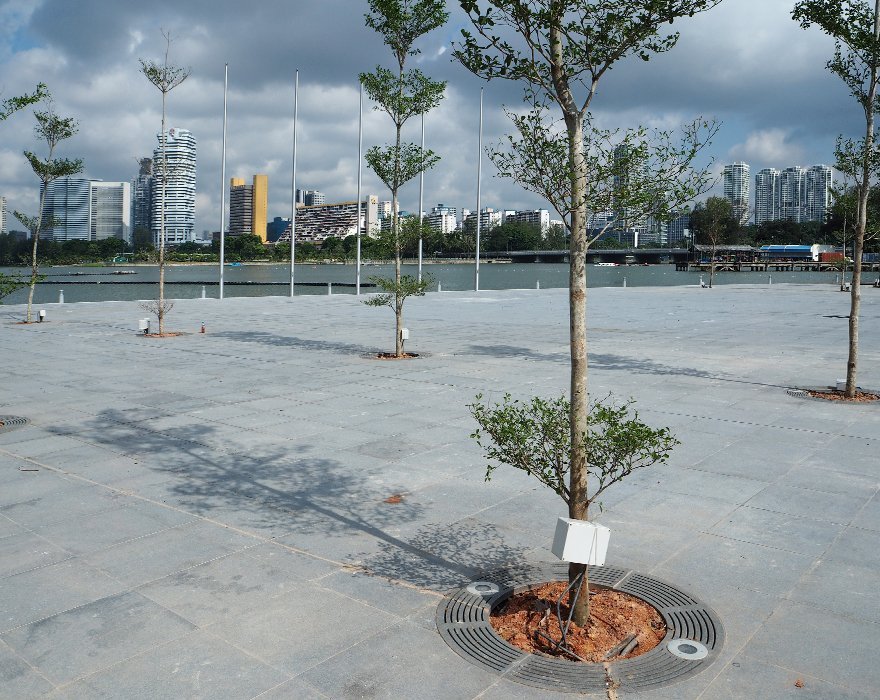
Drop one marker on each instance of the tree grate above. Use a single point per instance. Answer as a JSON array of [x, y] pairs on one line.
[[805, 394], [463, 622], [8, 423]]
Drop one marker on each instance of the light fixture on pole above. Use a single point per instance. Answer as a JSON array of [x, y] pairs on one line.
[[223, 182], [293, 187]]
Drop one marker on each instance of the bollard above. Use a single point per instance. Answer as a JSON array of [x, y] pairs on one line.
[[329, 288], [60, 296], [439, 287], [203, 292], [769, 279], [538, 284], [624, 282], [203, 327]]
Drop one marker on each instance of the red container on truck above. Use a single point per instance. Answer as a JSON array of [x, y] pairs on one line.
[[830, 257]]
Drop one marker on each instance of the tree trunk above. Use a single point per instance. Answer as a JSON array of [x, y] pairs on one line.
[[34, 267], [852, 362], [577, 298]]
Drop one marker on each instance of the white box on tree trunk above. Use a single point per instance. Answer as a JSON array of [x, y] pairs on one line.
[[580, 541]]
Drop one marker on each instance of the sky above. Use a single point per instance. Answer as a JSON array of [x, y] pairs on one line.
[[745, 63]]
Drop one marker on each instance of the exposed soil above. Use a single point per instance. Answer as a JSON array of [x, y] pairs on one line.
[[613, 617], [835, 395], [393, 499], [392, 356], [171, 334]]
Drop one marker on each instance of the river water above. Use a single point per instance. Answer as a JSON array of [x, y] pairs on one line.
[[101, 284]]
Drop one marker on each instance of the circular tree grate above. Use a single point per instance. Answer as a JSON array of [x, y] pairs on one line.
[[692, 627], [8, 423]]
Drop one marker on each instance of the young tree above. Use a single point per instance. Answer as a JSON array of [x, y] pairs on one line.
[[855, 26], [52, 130], [401, 94], [713, 223], [11, 105], [165, 77], [561, 50]]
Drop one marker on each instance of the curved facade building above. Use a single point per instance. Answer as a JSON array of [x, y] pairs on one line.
[[180, 190]]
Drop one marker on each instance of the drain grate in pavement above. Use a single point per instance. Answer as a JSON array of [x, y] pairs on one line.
[[693, 639], [8, 423]]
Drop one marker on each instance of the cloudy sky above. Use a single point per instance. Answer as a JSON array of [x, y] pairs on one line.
[[744, 63]]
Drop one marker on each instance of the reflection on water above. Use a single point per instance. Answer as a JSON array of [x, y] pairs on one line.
[[100, 284]]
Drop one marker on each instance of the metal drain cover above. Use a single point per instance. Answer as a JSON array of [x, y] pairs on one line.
[[692, 629], [8, 423]]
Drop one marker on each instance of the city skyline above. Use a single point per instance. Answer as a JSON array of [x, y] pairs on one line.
[[773, 112]]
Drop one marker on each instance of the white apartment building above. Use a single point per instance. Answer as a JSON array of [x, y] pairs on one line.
[[4, 217], [489, 219], [536, 217], [766, 195], [316, 223], [180, 190], [792, 193], [817, 196], [736, 190], [442, 219], [111, 211]]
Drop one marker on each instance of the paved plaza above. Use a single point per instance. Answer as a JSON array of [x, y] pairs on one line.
[[205, 516]]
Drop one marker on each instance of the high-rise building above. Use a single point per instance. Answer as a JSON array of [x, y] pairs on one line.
[[241, 207], [818, 192], [489, 219], [276, 227], [310, 198], [442, 219], [110, 211], [628, 224], [679, 231], [792, 194], [179, 174], [766, 195], [535, 217], [260, 206], [67, 209], [142, 196], [87, 210], [315, 223], [4, 220], [736, 190]]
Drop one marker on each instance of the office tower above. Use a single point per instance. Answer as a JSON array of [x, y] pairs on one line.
[[442, 219], [180, 191], [4, 221], [142, 196], [309, 198], [818, 192], [679, 231], [766, 195], [260, 206], [241, 207], [792, 192], [87, 210], [67, 209], [110, 211], [276, 228], [736, 190]]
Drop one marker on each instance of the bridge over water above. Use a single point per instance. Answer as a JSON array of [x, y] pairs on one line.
[[612, 255]]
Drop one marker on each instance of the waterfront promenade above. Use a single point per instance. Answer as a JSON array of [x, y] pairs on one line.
[[205, 516]]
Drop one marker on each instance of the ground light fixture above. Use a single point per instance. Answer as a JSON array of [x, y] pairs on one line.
[[42, 315], [144, 326]]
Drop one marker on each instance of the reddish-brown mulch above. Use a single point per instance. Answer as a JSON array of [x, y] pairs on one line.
[[392, 356], [835, 395], [167, 334], [613, 616]]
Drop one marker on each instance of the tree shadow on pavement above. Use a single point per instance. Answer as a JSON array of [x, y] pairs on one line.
[[293, 342], [277, 488]]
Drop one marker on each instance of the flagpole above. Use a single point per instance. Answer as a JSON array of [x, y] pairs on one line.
[[293, 188], [357, 285], [223, 181], [479, 179], [421, 198]]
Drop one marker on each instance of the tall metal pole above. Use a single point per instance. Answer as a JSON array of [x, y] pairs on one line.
[[357, 285], [293, 188], [223, 182], [479, 180], [421, 199]]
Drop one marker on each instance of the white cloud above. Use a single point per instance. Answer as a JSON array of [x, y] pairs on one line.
[[769, 146]]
